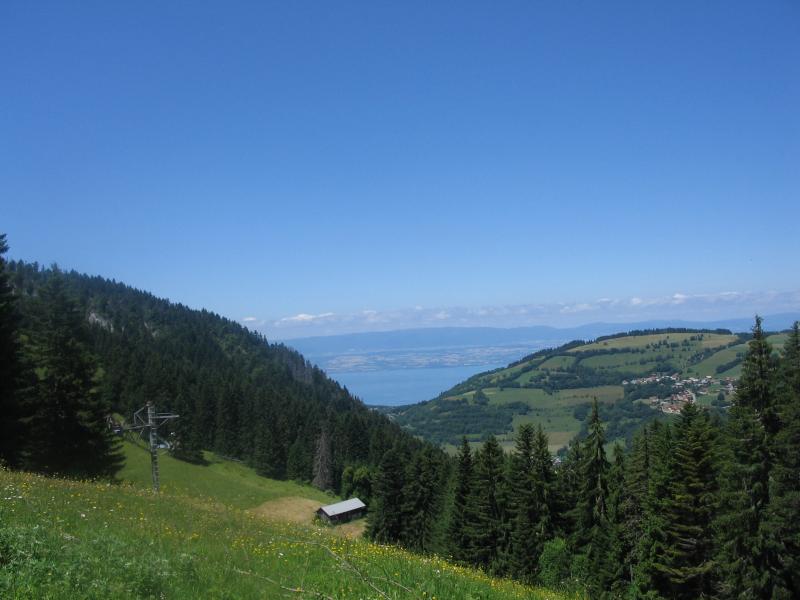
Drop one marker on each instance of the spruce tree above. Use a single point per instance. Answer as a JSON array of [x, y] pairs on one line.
[[530, 481], [523, 507], [186, 443], [631, 504], [69, 433], [323, 461], [459, 540], [783, 514], [620, 543], [651, 546], [756, 387], [422, 502], [485, 531], [385, 518], [567, 490], [591, 537], [744, 552], [11, 425], [684, 568]]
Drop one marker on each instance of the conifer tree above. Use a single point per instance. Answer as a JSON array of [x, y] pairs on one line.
[[11, 409], [783, 514], [523, 507], [545, 476], [756, 386], [323, 461], [186, 445], [744, 554], [620, 544], [651, 546], [459, 528], [684, 568], [385, 519], [69, 433], [591, 537], [269, 458], [486, 501], [567, 490], [422, 502], [531, 480], [632, 502]]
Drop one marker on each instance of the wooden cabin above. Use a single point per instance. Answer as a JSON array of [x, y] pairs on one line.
[[342, 512]]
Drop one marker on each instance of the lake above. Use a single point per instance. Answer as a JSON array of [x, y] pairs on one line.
[[393, 387]]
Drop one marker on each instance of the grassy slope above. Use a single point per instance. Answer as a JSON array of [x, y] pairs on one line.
[[225, 481], [637, 355], [65, 539]]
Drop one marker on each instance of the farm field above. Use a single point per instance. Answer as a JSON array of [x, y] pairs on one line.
[[73, 540], [553, 388]]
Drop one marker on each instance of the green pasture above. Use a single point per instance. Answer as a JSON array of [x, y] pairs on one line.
[[709, 340], [73, 540], [231, 483]]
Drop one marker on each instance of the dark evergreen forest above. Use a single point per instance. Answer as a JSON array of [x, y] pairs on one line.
[[77, 348]]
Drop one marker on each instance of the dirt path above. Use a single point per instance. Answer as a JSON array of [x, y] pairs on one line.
[[296, 509]]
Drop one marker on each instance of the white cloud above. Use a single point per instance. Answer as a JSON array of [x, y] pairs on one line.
[[676, 306], [576, 308], [304, 318], [249, 320]]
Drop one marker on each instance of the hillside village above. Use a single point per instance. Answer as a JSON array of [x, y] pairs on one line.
[[684, 391]]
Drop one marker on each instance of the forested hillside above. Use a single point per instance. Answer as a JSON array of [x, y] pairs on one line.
[[236, 393], [697, 507], [637, 377]]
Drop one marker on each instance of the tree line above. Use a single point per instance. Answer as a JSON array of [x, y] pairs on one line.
[[706, 506]]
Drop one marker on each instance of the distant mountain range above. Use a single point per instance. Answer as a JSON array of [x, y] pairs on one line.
[[459, 346]]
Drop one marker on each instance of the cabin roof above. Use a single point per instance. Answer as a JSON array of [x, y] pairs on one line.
[[343, 507]]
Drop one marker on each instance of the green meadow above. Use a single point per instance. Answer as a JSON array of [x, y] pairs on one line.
[[62, 539]]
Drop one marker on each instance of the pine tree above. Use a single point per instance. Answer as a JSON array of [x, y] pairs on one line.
[[422, 502], [69, 433], [632, 502], [11, 409], [756, 386], [186, 443], [323, 461], [385, 519], [620, 545], [651, 546], [782, 526], [486, 505], [530, 481], [684, 569], [269, 459], [591, 536], [744, 552], [459, 540], [567, 490]]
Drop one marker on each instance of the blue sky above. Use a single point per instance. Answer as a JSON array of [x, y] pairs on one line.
[[268, 160]]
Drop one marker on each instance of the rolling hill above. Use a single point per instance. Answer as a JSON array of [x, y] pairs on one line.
[[554, 387], [203, 537]]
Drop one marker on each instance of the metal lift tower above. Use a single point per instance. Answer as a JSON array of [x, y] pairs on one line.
[[146, 419]]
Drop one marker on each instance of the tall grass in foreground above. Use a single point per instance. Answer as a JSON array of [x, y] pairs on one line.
[[66, 539]]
